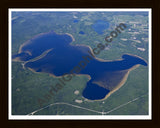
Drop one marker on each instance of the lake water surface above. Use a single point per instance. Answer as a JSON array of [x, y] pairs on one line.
[[63, 57], [99, 26]]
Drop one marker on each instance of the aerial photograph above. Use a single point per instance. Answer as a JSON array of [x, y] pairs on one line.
[[79, 63]]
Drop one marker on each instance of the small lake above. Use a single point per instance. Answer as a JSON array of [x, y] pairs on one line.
[[99, 26], [57, 56], [81, 32], [76, 21]]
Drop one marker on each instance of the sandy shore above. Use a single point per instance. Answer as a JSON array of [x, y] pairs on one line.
[[102, 60], [39, 35], [120, 84], [73, 39], [39, 57]]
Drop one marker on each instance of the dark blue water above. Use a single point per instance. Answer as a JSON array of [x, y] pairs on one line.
[[81, 32], [76, 21], [99, 26], [41, 43], [94, 92], [66, 58]]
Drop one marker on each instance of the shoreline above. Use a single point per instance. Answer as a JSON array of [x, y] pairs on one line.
[[39, 57], [41, 34], [103, 60], [73, 39], [17, 59], [54, 76], [120, 84], [109, 94], [29, 41]]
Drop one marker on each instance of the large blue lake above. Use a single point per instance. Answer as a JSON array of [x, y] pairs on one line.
[[64, 58]]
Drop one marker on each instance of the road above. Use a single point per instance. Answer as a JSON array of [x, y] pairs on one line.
[[76, 106]]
